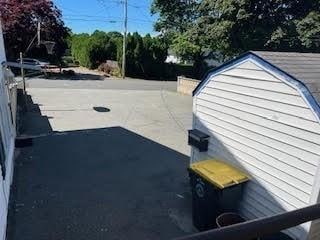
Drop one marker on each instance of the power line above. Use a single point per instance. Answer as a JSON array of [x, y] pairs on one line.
[[141, 20], [92, 16], [111, 1], [104, 5], [102, 19], [139, 6], [68, 9], [139, 9], [111, 17], [92, 20]]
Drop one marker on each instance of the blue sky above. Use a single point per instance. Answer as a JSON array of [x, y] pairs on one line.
[[106, 15]]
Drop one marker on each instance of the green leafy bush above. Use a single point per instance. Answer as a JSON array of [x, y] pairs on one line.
[[145, 56], [92, 50]]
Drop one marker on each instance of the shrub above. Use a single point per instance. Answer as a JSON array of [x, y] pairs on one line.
[[109, 66], [145, 55], [92, 50], [68, 73]]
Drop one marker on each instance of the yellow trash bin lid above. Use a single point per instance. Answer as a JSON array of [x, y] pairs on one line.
[[219, 173]]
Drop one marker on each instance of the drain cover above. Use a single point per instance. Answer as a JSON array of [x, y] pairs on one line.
[[101, 109]]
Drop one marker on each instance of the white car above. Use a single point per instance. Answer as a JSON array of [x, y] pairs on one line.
[[34, 62]]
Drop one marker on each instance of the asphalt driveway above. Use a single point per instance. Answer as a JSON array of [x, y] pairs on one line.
[[103, 164]]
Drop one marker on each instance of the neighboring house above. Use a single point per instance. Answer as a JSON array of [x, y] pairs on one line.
[[261, 111], [7, 137], [173, 58], [212, 59]]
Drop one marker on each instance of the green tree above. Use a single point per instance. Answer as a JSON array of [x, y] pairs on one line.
[[155, 51], [235, 26], [308, 29], [80, 48], [145, 56], [20, 19], [92, 50], [174, 15], [189, 47], [231, 27]]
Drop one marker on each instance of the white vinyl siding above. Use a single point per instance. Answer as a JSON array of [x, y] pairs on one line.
[[5, 118], [263, 125], [7, 132]]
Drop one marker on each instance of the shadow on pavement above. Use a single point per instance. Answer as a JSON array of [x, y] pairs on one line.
[[31, 121], [107, 183], [76, 76]]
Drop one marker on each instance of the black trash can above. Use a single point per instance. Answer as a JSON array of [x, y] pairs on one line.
[[209, 200], [228, 219], [205, 202], [277, 236]]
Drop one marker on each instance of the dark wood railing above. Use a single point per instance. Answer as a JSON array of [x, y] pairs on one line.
[[259, 227]]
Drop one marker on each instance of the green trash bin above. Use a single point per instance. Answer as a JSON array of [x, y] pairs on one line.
[[216, 188]]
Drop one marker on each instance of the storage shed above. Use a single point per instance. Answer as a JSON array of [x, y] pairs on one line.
[[261, 112]]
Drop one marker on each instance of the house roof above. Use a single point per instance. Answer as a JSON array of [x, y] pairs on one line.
[[301, 70], [303, 66]]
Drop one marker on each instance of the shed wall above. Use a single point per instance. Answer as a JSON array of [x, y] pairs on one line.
[[263, 125]]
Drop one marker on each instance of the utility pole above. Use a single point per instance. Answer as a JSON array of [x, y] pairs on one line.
[[39, 33], [22, 73], [125, 8]]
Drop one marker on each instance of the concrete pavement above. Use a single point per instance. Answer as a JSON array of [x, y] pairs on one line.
[[153, 112], [115, 174], [97, 184]]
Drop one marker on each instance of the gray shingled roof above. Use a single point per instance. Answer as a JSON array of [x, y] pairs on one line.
[[303, 66]]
